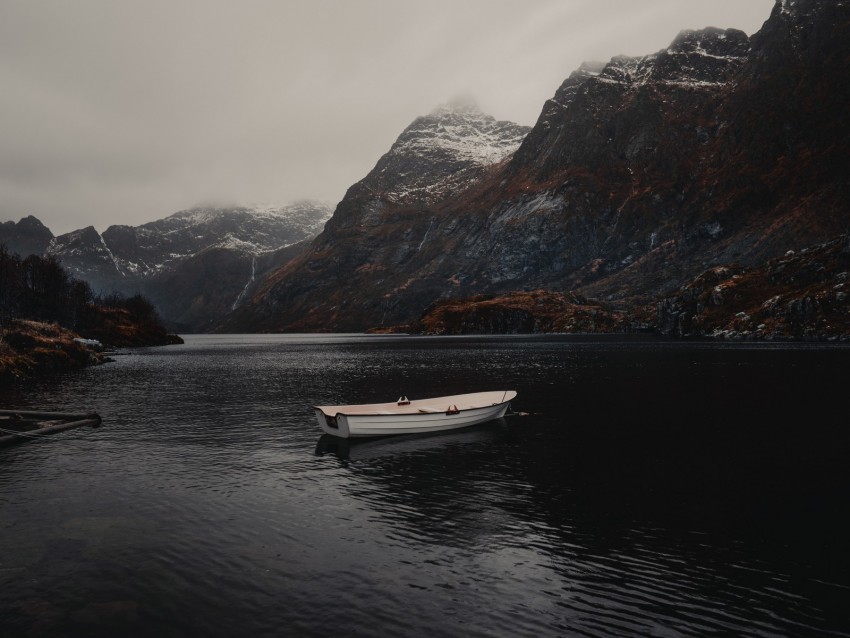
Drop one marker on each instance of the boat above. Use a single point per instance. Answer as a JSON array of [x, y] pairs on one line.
[[406, 416]]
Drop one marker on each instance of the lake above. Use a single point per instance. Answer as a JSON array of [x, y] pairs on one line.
[[655, 488]]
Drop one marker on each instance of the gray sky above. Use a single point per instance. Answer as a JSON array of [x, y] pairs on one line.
[[125, 112]]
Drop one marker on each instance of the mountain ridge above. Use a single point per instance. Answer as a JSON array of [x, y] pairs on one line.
[[170, 260], [636, 177], [436, 156], [719, 151]]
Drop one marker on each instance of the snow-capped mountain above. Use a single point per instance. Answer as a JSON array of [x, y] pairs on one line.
[[626, 109], [439, 155], [639, 174], [708, 56], [232, 244], [154, 247], [436, 157], [442, 152], [86, 255], [125, 255]]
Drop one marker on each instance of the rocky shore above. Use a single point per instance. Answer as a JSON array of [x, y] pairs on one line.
[[801, 296], [525, 312], [31, 348]]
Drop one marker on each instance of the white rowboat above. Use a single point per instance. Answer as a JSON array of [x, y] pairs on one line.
[[413, 417]]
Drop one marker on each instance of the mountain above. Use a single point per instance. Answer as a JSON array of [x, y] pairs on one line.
[[85, 254], [198, 264], [195, 265], [25, 237], [202, 289], [144, 251], [153, 247], [381, 223], [440, 153], [770, 176], [639, 175]]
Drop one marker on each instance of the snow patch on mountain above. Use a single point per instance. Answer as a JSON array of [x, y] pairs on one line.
[[442, 152], [705, 58], [151, 248], [124, 256]]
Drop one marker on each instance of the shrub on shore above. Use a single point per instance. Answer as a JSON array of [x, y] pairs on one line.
[[43, 310]]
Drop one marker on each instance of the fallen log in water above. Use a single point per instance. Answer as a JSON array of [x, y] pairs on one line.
[[17, 426]]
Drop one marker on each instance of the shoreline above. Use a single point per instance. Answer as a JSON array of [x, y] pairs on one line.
[[32, 348]]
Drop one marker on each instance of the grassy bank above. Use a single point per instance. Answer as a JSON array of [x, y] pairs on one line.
[[29, 348]]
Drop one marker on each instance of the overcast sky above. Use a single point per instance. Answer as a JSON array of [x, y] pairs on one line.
[[125, 112]]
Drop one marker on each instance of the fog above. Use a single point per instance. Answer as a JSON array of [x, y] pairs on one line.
[[125, 112]]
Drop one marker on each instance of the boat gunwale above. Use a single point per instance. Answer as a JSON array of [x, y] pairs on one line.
[[417, 412]]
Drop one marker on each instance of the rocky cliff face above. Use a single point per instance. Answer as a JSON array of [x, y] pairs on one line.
[[600, 180], [799, 295], [640, 174], [86, 256]]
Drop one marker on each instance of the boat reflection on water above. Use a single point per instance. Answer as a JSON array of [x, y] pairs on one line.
[[369, 448]]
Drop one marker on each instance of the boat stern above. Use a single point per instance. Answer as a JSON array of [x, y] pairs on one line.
[[334, 425]]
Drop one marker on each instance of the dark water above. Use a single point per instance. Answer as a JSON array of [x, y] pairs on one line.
[[658, 489]]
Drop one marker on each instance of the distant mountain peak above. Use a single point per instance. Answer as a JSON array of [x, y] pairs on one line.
[[85, 254], [31, 221], [76, 238], [25, 237], [440, 152], [707, 56], [463, 105], [697, 58]]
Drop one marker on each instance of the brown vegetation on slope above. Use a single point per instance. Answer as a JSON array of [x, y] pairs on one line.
[[122, 328], [43, 310], [30, 347], [798, 296], [526, 312]]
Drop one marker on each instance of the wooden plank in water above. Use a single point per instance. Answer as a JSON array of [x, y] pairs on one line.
[[48, 415], [66, 422]]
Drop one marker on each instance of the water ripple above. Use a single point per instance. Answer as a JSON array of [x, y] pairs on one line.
[[209, 504]]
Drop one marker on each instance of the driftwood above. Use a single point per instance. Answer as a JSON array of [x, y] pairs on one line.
[[38, 424]]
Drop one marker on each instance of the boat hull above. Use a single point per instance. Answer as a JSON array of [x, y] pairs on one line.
[[412, 422]]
